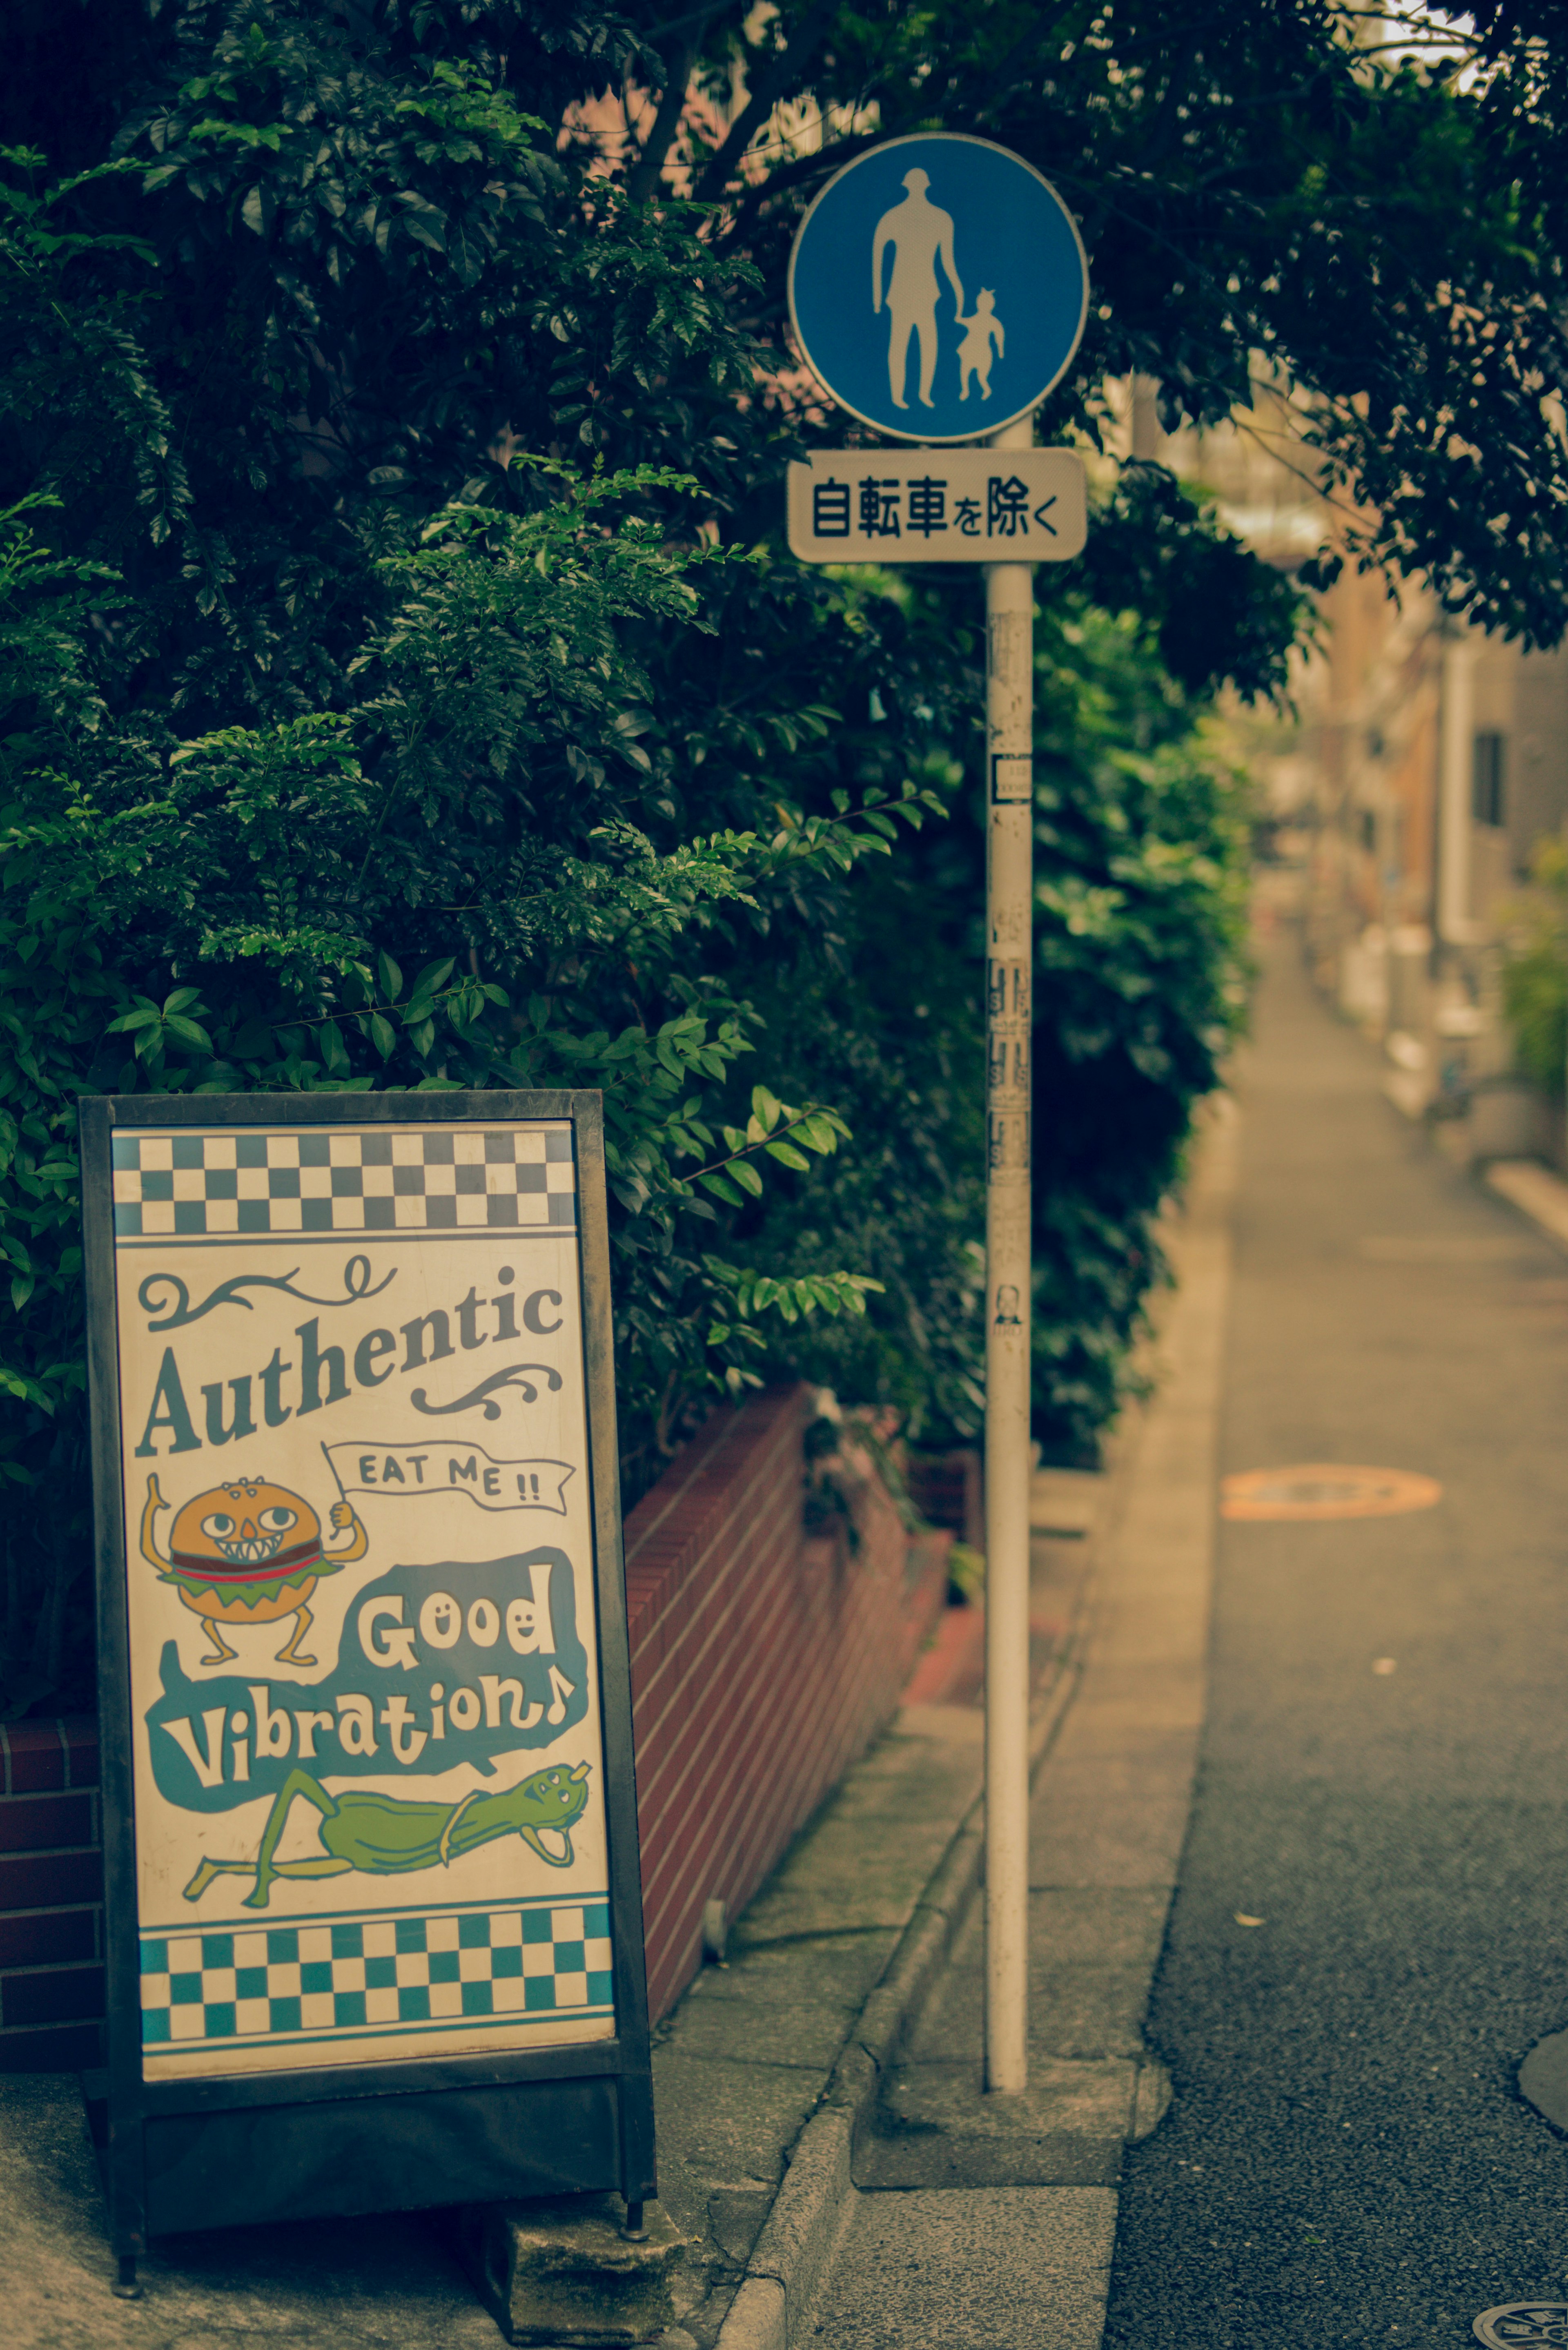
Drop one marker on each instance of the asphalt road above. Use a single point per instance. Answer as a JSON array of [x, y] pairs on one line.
[[1348, 2160]]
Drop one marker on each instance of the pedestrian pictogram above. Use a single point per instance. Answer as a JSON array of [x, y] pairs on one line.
[[938, 288], [919, 234]]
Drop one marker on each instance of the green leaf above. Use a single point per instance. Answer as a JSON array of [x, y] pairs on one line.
[[788, 1155], [334, 1051], [390, 977], [435, 976], [383, 1036], [814, 1133], [189, 1032], [742, 1172], [721, 1187]]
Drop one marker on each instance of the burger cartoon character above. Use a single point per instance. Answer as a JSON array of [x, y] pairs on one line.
[[248, 1553]]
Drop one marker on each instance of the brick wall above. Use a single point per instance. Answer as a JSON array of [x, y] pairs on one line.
[[947, 1489], [762, 1662], [51, 1897]]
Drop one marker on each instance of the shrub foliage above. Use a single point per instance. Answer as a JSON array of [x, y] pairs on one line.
[[403, 682]]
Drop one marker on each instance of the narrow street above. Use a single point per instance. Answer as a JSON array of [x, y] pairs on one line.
[[1347, 2160]]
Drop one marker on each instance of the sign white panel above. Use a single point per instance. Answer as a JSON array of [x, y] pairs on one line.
[[369, 1808], [938, 506]]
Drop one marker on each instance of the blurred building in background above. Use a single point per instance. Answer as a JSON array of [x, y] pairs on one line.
[[1417, 803]]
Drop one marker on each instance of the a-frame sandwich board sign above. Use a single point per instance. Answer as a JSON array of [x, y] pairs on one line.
[[374, 1927]]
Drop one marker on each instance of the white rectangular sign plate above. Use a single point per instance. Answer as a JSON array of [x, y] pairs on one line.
[[370, 1772], [938, 506]]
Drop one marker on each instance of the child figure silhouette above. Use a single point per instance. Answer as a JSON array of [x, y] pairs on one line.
[[975, 351]]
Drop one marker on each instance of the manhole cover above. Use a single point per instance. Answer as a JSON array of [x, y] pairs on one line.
[[1524, 2325], [1326, 1489]]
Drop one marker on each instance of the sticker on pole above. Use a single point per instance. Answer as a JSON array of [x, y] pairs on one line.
[[938, 287]]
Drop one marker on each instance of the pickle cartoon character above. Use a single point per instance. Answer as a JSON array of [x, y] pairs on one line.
[[386, 1836], [248, 1553]]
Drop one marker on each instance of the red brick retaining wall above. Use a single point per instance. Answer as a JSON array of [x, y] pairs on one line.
[[51, 1897], [762, 1662]]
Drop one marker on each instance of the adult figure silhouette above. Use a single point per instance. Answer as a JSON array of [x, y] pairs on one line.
[[920, 233]]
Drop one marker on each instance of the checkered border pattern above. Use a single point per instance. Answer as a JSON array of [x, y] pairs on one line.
[[379, 1974], [394, 1178]]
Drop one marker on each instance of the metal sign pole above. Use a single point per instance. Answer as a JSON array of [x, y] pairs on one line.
[[1010, 710], [887, 349]]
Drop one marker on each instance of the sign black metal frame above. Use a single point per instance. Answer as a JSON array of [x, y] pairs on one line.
[[309, 2137]]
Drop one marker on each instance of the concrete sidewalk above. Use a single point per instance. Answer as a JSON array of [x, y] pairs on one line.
[[989, 2221]]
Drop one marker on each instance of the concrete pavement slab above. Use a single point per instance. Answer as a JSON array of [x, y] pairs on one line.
[[866, 1859], [991, 2269], [1099, 1924], [791, 2030], [1083, 2011], [937, 2128], [760, 1975], [1140, 1714], [1090, 2010], [738, 2119], [1145, 1773], [1115, 1840]]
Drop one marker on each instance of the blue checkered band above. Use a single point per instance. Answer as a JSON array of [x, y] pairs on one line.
[[456, 1968], [305, 1180]]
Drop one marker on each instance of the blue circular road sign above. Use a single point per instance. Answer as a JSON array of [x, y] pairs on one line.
[[938, 287]]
